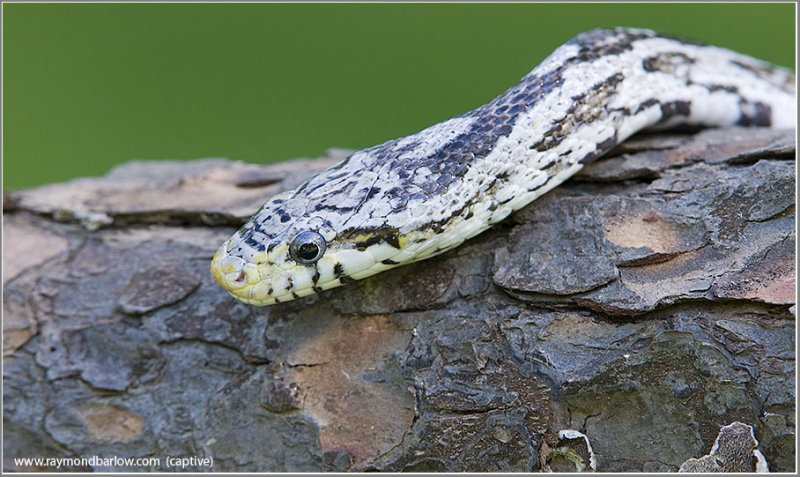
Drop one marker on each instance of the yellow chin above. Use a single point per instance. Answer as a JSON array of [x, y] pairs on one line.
[[219, 271], [264, 284], [276, 279]]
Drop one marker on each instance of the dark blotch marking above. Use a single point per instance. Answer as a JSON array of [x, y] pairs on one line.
[[722, 87], [388, 261], [531, 189], [675, 108], [315, 277], [601, 149], [323, 206], [646, 104], [598, 43], [389, 235], [258, 228], [665, 62], [338, 270], [506, 200], [549, 165], [577, 114], [762, 116], [344, 279], [252, 241]]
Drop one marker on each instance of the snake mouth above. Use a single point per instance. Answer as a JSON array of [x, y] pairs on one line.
[[258, 285], [239, 278]]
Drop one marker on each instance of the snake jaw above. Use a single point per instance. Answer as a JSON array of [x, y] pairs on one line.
[[240, 279], [266, 282], [221, 266], [228, 271]]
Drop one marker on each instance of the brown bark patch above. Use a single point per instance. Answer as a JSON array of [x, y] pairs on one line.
[[340, 377], [112, 423]]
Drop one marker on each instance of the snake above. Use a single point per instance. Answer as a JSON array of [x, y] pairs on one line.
[[418, 196]]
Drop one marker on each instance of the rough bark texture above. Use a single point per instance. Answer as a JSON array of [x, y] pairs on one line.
[[646, 303]]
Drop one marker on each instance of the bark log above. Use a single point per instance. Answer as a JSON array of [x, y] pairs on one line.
[[645, 304]]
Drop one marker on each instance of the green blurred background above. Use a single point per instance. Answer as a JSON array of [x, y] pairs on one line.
[[89, 86]]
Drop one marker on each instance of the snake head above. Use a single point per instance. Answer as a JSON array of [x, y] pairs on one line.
[[274, 257], [302, 242], [302, 260], [272, 272]]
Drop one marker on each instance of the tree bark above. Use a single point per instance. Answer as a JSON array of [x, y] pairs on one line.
[[644, 304]]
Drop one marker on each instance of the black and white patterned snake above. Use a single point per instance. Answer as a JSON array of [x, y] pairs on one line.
[[421, 195]]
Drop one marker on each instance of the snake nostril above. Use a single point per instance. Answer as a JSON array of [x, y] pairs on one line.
[[241, 278]]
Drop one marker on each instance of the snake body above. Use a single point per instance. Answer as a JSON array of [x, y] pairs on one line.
[[418, 196]]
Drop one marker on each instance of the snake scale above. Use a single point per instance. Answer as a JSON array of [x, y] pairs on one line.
[[421, 195]]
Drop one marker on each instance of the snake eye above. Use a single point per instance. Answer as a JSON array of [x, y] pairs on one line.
[[307, 247]]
